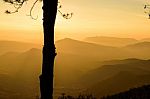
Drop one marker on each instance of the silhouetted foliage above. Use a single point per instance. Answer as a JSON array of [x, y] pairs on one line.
[[16, 3], [19, 3], [135, 93], [147, 9], [81, 96]]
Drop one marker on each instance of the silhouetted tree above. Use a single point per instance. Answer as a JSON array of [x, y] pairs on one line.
[[50, 8], [46, 78]]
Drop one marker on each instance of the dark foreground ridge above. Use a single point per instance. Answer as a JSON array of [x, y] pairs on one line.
[[135, 93]]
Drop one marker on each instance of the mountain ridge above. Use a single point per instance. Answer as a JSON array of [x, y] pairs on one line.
[[111, 41]]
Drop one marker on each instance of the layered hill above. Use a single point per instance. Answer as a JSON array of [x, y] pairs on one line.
[[77, 63], [118, 77], [140, 50], [111, 41], [19, 74], [16, 46]]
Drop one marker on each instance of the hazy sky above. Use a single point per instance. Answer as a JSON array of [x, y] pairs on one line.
[[120, 18]]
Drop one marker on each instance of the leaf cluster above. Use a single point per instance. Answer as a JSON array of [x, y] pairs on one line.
[[147, 9], [64, 15], [16, 3]]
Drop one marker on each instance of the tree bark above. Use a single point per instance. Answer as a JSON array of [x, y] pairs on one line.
[[46, 78]]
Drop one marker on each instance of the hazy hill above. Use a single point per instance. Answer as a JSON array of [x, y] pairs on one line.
[[15, 46], [13, 60], [134, 93], [100, 52], [140, 45], [111, 68], [21, 71], [77, 57], [146, 40], [117, 77], [77, 47], [140, 50], [91, 50], [111, 41], [118, 83]]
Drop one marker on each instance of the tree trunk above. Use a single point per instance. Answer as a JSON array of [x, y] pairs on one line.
[[46, 78]]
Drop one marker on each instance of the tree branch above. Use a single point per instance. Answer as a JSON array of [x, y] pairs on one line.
[[19, 3], [64, 15], [32, 9]]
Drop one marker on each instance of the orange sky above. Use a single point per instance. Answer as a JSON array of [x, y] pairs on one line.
[[120, 18]]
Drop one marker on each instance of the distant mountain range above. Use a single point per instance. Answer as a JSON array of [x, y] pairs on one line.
[[16, 46], [103, 52], [78, 64], [114, 41]]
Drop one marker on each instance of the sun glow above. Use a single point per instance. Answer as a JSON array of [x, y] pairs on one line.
[[92, 18]]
